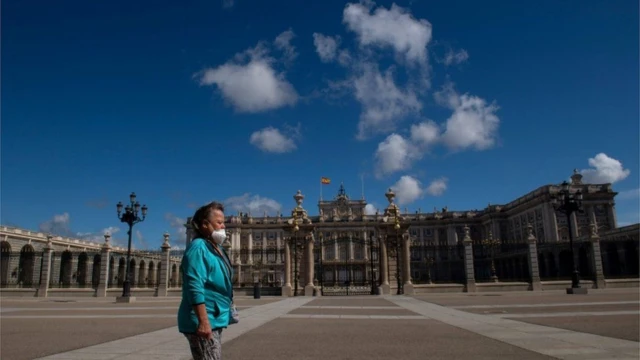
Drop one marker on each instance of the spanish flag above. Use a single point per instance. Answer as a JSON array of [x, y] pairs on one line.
[[325, 180]]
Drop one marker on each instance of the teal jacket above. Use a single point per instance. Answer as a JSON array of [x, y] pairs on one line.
[[206, 279]]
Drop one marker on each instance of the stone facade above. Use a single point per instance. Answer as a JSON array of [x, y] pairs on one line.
[[42, 262], [347, 232]]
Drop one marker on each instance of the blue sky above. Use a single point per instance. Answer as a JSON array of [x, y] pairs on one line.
[[457, 103]]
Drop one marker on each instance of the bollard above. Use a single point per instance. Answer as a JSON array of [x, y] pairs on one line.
[[256, 291]]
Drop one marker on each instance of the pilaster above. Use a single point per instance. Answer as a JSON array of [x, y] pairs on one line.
[[105, 254], [43, 289], [596, 258], [534, 268], [470, 278], [407, 287], [163, 284]]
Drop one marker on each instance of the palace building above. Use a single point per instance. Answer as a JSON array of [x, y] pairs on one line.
[[345, 250]]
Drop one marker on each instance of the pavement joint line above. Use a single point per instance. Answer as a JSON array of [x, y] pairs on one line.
[[353, 307], [550, 341], [544, 305], [146, 346], [354, 317], [572, 314]]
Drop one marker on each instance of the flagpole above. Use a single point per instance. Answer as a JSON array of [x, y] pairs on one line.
[[321, 189]]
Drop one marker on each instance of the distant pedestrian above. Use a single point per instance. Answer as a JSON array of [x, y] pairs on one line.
[[207, 290]]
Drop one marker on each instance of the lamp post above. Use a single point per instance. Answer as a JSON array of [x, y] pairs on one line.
[[492, 243], [396, 226], [568, 203], [130, 217], [373, 280]]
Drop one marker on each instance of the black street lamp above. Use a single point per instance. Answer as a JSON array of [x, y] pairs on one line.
[[373, 280], [130, 217], [568, 203], [491, 244]]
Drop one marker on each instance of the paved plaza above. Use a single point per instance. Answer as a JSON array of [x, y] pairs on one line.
[[525, 325]]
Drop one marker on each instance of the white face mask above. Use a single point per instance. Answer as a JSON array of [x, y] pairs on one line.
[[218, 236]]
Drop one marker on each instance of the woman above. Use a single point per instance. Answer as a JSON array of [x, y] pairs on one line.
[[207, 291]]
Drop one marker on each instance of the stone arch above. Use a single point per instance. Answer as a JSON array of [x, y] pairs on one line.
[[174, 275], [121, 271], [95, 273], [66, 263], [142, 274], [152, 274], [81, 270], [132, 272], [26, 265], [158, 272], [112, 273], [5, 259]]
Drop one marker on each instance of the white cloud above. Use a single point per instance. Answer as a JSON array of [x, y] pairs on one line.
[[253, 85], [392, 28], [58, 225], [395, 153], [455, 57], [383, 103], [272, 140], [628, 194], [604, 169], [408, 189], [425, 133], [179, 231], [473, 123], [283, 42], [256, 204], [326, 46], [370, 209], [437, 187]]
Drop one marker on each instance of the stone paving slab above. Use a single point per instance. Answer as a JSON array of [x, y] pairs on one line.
[[169, 344], [552, 309], [306, 339], [352, 311], [560, 343], [351, 301], [617, 326], [530, 297]]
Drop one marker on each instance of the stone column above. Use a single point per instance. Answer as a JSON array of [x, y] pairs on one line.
[[534, 269], [309, 288], [250, 245], [591, 211], [43, 289], [596, 258], [384, 288], [611, 214], [163, 284], [552, 236], [406, 265], [470, 277], [286, 289], [105, 271]]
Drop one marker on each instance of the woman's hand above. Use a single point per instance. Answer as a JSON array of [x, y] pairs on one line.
[[204, 330]]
